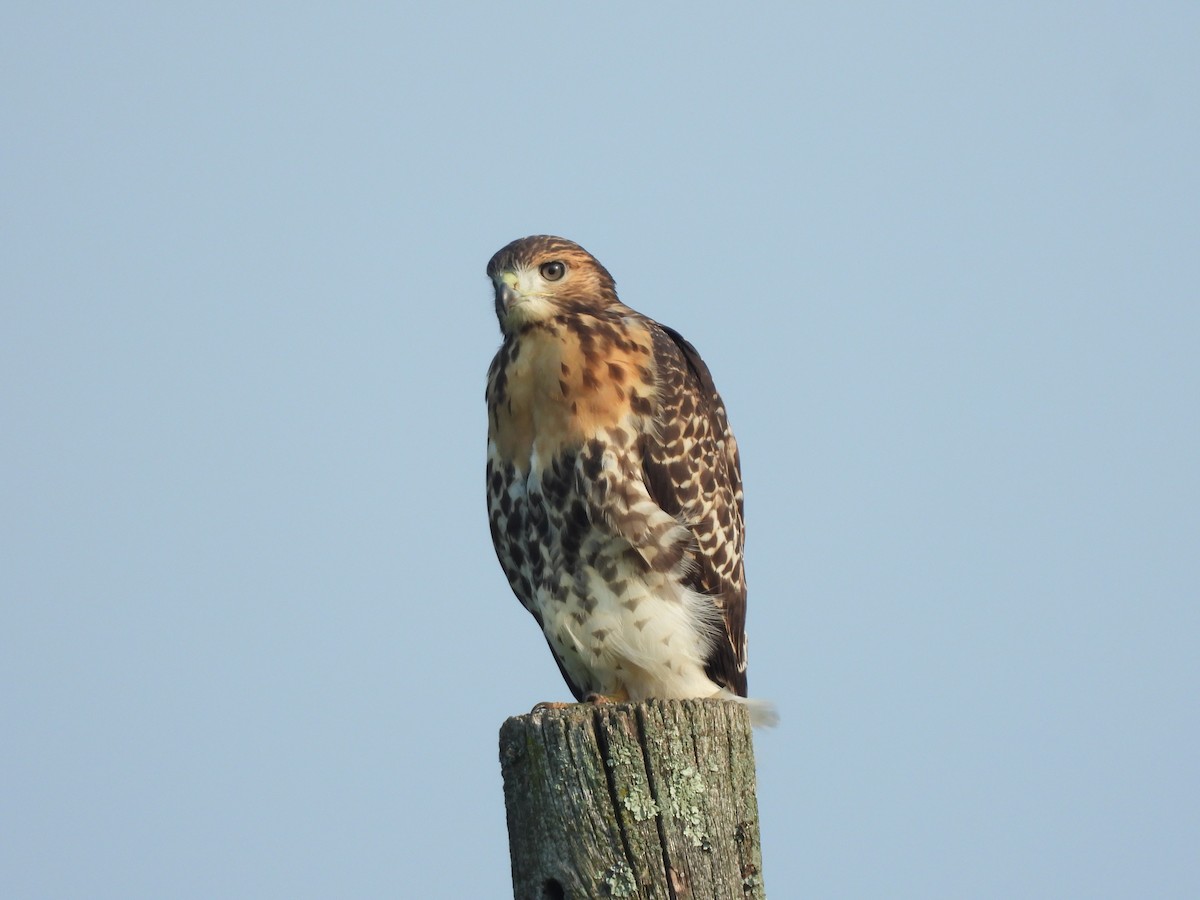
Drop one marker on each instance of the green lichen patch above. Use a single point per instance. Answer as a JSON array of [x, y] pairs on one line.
[[619, 881], [685, 793], [633, 791]]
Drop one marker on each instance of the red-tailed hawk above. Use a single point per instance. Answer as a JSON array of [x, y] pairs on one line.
[[614, 488]]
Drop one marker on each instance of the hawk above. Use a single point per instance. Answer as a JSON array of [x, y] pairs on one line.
[[614, 488]]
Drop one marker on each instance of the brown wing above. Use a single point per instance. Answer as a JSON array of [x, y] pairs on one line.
[[691, 469]]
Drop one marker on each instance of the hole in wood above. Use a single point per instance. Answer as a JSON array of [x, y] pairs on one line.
[[552, 890]]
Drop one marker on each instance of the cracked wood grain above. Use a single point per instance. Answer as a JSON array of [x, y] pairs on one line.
[[646, 800]]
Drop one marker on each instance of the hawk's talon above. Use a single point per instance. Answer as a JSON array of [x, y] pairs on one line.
[[591, 698], [548, 705]]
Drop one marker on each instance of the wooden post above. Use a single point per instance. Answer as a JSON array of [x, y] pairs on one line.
[[645, 800]]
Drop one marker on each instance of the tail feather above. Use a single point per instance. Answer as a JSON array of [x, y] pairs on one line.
[[763, 713]]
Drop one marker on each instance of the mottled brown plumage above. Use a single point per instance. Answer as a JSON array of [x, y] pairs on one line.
[[614, 486]]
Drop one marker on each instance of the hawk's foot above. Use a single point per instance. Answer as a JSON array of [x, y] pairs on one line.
[[547, 705], [620, 696]]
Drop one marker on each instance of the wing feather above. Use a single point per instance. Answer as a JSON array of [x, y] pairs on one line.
[[691, 469]]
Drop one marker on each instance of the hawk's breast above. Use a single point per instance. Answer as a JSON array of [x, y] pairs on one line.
[[584, 547], [558, 384]]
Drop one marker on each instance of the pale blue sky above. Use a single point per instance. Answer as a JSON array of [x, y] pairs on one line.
[[942, 260]]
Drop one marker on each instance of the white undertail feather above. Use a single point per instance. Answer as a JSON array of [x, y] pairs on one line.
[[670, 650], [763, 713]]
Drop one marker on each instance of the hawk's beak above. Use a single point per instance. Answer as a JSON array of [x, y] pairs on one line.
[[506, 296]]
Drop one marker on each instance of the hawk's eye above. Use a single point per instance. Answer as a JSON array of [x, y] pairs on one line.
[[552, 271]]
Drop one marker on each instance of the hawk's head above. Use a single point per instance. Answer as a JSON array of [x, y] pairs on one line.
[[539, 277]]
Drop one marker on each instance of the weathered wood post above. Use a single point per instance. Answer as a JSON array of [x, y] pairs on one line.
[[646, 800]]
